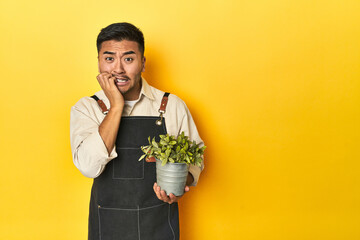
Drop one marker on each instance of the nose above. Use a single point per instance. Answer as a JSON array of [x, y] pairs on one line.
[[118, 67]]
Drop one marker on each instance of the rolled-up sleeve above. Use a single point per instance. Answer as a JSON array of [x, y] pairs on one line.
[[189, 128], [89, 152]]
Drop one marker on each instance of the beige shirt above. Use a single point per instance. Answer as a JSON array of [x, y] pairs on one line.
[[89, 152]]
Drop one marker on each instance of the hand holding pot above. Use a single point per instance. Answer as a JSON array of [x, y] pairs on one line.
[[165, 198]]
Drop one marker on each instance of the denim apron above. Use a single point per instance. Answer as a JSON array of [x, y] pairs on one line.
[[123, 204]]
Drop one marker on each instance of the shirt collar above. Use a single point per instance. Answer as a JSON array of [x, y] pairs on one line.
[[145, 89]]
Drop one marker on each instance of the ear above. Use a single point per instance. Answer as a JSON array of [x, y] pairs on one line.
[[143, 64]]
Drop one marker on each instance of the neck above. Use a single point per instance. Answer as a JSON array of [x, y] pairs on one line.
[[134, 93]]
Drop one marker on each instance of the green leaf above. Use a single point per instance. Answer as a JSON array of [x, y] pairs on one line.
[[186, 146], [155, 144], [167, 152], [142, 157]]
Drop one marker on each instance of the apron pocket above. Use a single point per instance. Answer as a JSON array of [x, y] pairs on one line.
[[127, 164], [117, 223], [155, 223]]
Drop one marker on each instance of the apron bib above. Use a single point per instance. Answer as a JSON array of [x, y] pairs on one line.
[[123, 204]]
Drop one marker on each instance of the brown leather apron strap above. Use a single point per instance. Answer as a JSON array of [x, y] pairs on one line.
[[101, 104], [164, 102], [162, 108]]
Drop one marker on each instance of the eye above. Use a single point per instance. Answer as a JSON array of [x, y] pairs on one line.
[[129, 59], [109, 58]]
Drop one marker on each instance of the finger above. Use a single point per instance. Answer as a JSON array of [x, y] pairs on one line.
[[187, 188], [107, 81], [173, 198], [157, 191], [164, 197], [113, 81], [105, 74], [99, 80], [102, 78], [154, 187]]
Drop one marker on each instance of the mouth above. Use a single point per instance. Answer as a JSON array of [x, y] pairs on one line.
[[120, 81]]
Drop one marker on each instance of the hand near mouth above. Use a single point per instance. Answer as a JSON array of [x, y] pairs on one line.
[[108, 85], [109, 127]]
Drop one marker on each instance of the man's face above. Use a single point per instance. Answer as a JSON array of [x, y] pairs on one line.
[[125, 62]]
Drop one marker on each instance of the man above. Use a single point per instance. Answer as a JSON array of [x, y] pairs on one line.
[[107, 131]]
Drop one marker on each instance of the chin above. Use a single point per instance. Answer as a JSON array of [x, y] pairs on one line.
[[123, 91]]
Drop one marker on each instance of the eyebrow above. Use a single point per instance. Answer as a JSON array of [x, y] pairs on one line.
[[125, 53], [107, 52], [128, 52]]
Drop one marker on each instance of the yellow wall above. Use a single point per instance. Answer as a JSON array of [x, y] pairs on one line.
[[273, 86]]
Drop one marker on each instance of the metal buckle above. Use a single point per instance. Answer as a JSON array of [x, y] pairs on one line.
[[159, 121]]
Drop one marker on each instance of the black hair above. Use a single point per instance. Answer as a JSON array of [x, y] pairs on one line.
[[121, 31]]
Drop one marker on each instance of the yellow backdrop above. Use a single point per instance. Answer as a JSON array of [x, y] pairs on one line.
[[273, 86]]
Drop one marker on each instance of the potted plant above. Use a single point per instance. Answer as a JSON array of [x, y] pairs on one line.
[[173, 156]]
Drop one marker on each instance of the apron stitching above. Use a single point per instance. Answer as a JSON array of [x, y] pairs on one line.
[[134, 209], [172, 230], [99, 223], [138, 213], [153, 206]]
